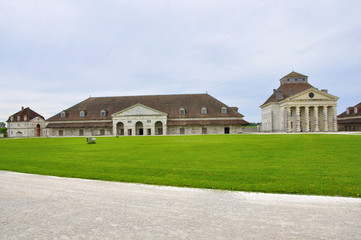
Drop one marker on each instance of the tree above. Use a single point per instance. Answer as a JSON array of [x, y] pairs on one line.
[[3, 129]]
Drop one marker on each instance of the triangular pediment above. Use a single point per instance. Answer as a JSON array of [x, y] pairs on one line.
[[312, 94], [139, 110]]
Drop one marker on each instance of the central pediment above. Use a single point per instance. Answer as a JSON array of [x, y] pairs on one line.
[[312, 94], [139, 110]]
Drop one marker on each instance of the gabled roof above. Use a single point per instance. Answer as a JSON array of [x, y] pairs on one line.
[[30, 114], [294, 74], [286, 89], [351, 111], [170, 104]]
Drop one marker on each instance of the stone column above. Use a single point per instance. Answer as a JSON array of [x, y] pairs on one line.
[[325, 116], [334, 118], [298, 121], [317, 129], [288, 109], [307, 118], [115, 128]]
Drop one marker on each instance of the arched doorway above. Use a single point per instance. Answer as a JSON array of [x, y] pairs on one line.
[[139, 128], [120, 128], [38, 132], [19, 134], [159, 128]]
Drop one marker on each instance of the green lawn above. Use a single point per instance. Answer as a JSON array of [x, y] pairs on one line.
[[301, 164]]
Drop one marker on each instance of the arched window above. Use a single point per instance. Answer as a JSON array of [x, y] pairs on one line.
[[355, 110], [12, 118], [224, 110], [204, 110], [347, 111], [25, 118], [103, 113], [82, 114], [62, 114], [182, 111], [19, 118]]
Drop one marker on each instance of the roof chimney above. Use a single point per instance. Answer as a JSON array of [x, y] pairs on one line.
[[22, 108]]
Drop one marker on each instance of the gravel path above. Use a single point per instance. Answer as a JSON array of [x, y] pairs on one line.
[[45, 207]]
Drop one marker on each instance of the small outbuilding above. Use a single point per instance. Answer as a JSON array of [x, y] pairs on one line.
[[26, 123], [350, 120]]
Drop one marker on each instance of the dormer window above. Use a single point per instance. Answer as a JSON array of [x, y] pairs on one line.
[[62, 114], [25, 118], [204, 110], [103, 113], [347, 111], [12, 118], [82, 114], [182, 111], [19, 118], [355, 110], [224, 110]]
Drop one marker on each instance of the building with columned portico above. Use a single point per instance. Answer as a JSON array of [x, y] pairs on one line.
[[297, 106]]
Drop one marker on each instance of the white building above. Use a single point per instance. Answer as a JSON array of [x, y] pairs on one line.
[[26, 123], [297, 106]]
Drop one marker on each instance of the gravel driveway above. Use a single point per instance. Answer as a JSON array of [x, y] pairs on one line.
[[45, 207]]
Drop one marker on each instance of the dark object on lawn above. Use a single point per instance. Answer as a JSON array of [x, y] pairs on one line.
[[90, 140]]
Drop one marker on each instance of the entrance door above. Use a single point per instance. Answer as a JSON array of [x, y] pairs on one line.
[[38, 130], [226, 130]]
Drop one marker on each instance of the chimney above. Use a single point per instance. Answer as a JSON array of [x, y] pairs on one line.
[[324, 90], [279, 95], [22, 108]]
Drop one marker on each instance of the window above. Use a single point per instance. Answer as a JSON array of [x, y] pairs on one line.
[[62, 114], [181, 131], [204, 110], [182, 111], [61, 132], [224, 110], [102, 132], [347, 111], [18, 118], [149, 131], [12, 118], [226, 130], [25, 118], [129, 121], [103, 113], [82, 114], [355, 110], [149, 121], [81, 132]]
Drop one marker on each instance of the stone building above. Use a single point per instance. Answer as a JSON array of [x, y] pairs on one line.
[[297, 106], [350, 120], [147, 115], [26, 123]]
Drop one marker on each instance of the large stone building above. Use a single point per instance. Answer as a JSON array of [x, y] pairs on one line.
[[297, 106], [147, 115], [26, 123], [350, 120]]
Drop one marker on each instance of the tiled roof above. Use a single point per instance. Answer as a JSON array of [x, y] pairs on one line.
[[79, 125], [170, 104], [30, 114], [286, 88], [294, 74], [351, 112]]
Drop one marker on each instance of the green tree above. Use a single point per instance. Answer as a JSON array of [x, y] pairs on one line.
[[3, 129]]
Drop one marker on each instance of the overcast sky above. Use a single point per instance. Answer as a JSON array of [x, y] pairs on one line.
[[54, 54]]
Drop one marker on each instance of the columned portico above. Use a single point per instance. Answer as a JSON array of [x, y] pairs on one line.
[[300, 119]]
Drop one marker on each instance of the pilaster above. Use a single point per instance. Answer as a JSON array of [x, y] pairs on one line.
[[317, 129], [325, 116], [298, 121], [307, 118]]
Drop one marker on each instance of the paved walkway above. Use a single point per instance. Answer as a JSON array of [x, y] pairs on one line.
[[45, 207]]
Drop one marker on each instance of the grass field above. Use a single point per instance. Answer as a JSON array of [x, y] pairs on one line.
[[300, 164]]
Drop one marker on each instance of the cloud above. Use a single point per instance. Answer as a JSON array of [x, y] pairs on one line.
[[64, 51]]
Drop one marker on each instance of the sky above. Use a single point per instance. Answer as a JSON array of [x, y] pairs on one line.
[[54, 54]]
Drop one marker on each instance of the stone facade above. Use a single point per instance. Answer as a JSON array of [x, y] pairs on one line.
[[350, 120], [296, 106], [26, 123]]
